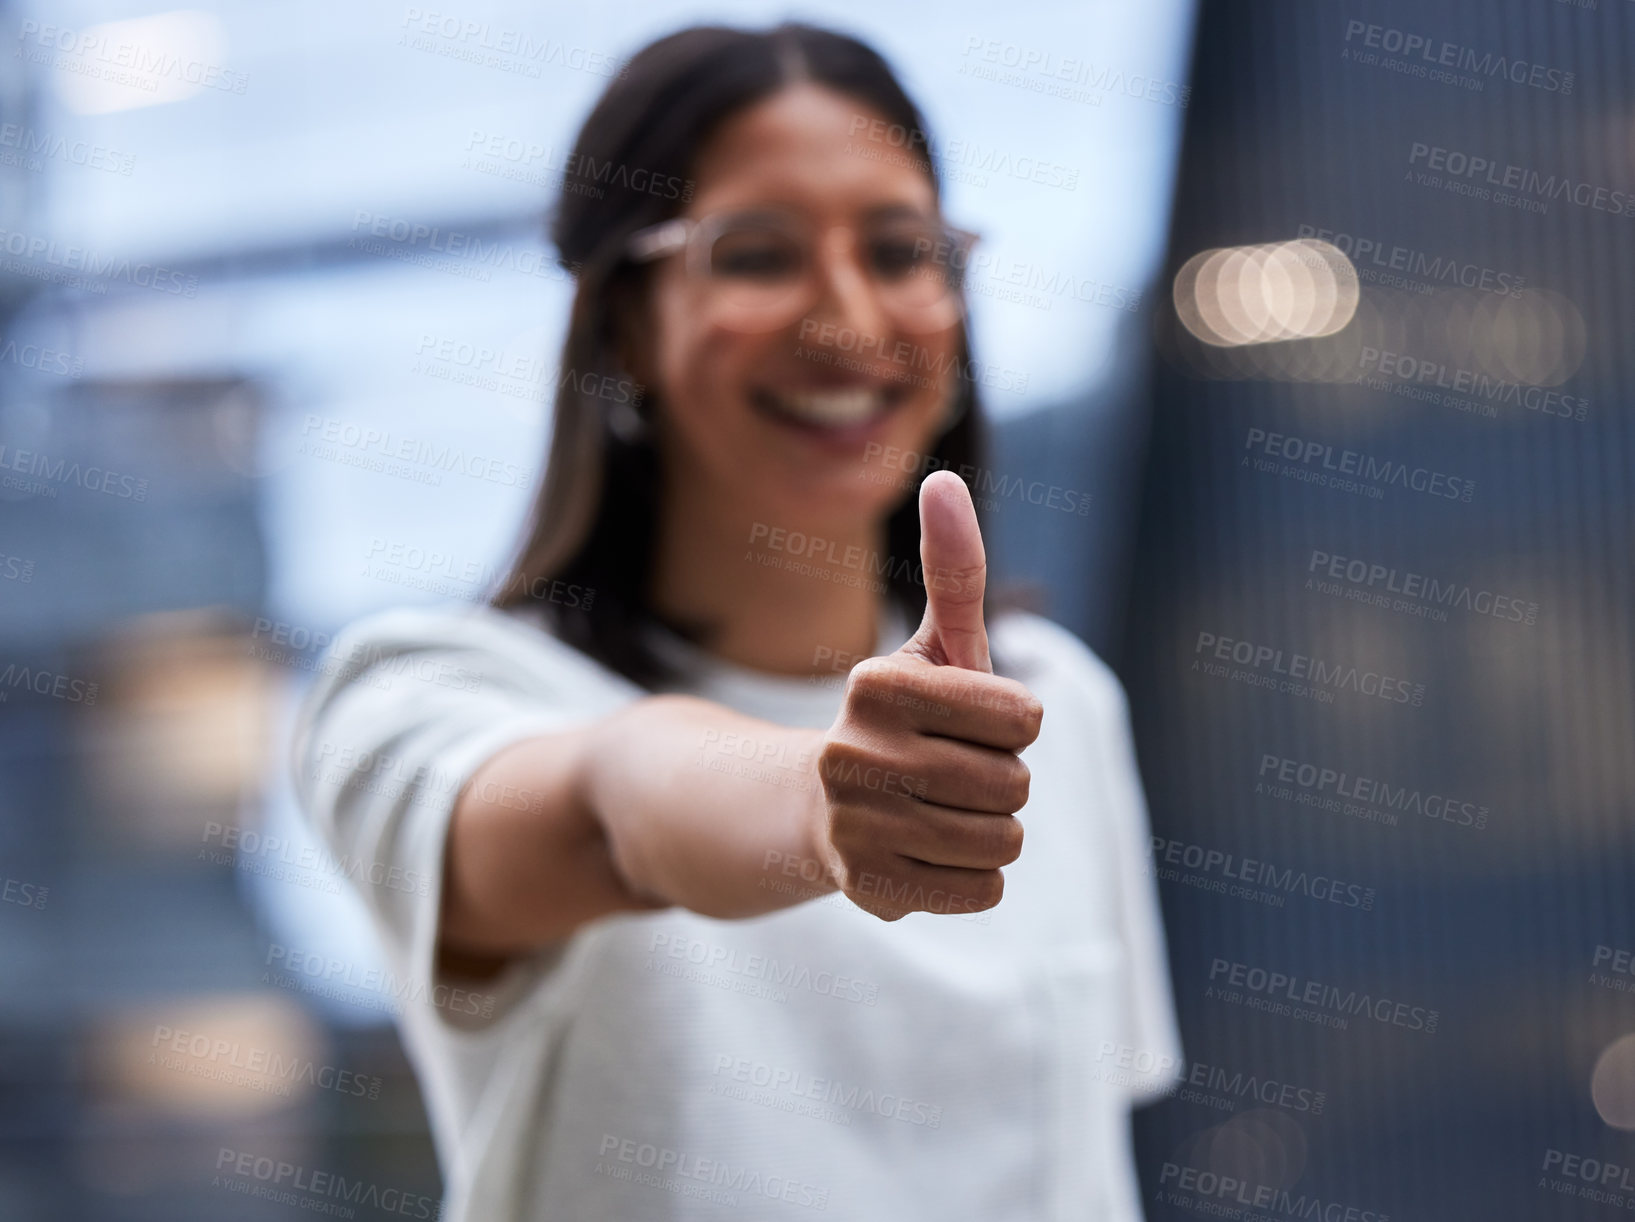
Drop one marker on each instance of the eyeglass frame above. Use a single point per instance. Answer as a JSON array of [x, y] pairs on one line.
[[676, 235]]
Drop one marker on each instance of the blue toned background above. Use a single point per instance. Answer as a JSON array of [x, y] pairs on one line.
[[207, 354], [193, 306]]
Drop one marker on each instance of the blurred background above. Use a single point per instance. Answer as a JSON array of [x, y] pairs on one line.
[[1324, 308]]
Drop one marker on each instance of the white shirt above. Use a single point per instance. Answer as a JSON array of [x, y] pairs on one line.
[[659, 1065]]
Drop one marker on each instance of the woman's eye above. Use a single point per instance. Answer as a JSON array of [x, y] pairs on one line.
[[898, 255], [759, 258]]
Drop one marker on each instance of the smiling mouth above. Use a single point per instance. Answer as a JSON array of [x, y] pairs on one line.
[[836, 407]]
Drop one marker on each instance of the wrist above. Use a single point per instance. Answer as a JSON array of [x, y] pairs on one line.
[[594, 782], [813, 829]]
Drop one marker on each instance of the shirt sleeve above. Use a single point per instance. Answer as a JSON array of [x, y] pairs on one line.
[[1150, 1006], [407, 706]]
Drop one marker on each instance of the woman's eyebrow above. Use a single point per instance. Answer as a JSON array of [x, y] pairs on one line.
[[892, 212]]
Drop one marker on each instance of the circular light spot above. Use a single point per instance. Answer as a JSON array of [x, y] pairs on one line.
[[1241, 295], [1612, 1085]]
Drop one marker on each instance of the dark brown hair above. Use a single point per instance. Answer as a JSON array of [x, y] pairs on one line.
[[589, 552]]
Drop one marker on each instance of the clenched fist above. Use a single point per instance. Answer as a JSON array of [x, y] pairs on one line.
[[920, 774]]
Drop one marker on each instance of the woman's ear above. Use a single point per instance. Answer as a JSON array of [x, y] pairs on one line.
[[631, 321], [632, 341]]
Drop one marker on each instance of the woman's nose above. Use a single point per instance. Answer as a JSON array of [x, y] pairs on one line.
[[844, 293]]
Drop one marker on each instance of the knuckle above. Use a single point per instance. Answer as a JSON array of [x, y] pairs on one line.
[[991, 840], [1007, 706], [996, 889], [1021, 709], [875, 906], [1008, 839], [1032, 713], [838, 762], [1021, 784], [985, 891], [1008, 784], [869, 680]]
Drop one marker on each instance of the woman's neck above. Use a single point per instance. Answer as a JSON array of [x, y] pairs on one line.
[[723, 566]]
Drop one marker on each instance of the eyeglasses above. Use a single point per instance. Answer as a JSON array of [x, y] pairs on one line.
[[760, 268]]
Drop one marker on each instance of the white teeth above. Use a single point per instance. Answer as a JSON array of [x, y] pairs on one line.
[[838, 407]]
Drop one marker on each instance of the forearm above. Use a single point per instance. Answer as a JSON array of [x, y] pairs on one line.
[[629, 814], [709, 808]]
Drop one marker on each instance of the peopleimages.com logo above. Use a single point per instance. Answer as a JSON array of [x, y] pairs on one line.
[[1393, 265], [1323, 463], [1378, 801], [1264, 665], [1439, 52], [1431, 592], [68, 257], [1276, 992], [1484, 178], [283, 1183], [1219, 870], [1227, 1196]]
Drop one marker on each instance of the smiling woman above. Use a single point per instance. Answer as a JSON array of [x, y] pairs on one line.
[[792, 215], [709, 884]]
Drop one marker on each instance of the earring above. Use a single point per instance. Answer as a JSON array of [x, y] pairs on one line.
[[626, 422]]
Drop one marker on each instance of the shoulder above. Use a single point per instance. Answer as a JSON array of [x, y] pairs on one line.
[[435, 625], [465, 646], [1040, 652]]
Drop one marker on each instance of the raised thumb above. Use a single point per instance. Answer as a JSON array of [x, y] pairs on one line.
[[956, 575]]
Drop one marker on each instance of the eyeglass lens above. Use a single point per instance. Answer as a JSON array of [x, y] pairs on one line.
[[765, 267]]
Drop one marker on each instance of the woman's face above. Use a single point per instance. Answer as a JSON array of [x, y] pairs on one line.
[[820, 421]]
